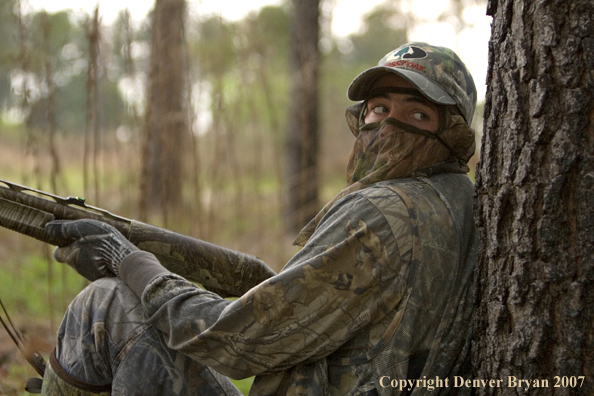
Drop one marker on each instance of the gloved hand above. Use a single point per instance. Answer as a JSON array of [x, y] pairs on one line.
[[97, 249]]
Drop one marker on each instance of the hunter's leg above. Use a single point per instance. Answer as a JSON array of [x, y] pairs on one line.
[[104, 340]]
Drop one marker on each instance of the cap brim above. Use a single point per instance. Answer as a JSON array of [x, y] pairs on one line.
[[361, 85]]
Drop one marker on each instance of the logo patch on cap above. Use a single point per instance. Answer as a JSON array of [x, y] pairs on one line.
[[407, 53]]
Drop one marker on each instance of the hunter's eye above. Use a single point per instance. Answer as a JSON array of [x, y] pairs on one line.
[[420, 116], [380, 110]]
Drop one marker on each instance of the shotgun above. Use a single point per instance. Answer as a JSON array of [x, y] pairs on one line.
[[226, 272]]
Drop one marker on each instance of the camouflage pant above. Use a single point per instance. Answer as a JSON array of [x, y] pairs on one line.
[[104, 339]]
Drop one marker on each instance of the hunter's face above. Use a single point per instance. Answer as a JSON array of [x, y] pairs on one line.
[[410, 109]]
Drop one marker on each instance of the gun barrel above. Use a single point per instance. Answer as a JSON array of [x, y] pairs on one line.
[[28, 221], [221, 270]]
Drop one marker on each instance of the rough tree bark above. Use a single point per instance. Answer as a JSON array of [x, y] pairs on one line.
[[302, 150], [166, 127], [535, 184]]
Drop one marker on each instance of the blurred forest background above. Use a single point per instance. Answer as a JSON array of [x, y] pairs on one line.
[[190, 122]]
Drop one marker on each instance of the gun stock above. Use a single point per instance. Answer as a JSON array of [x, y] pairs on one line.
[[224, 271]]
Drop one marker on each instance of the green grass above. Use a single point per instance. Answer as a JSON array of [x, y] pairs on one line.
[[36, 286]]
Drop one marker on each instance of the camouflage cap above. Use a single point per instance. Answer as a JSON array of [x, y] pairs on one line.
[[437, 72]]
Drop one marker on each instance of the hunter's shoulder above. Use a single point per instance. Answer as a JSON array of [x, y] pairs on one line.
[[445, 182]]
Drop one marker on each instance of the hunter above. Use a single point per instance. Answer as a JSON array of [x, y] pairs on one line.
[[381, 290]]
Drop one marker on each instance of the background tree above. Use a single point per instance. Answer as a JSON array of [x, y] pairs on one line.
[[93, 136], [9, 49], [534, 190], [302, 150], [165, 125]]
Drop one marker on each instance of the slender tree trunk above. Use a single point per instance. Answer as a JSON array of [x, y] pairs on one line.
[[535, 185], [92, 142], [166, 130], [51, 105], [302, 165]]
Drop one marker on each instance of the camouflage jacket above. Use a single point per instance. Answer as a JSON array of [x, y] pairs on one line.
[[382, 291]]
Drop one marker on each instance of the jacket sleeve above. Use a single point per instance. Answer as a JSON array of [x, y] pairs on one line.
[[351, 274]]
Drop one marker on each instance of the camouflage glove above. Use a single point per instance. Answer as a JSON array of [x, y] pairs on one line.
[[97, 249]]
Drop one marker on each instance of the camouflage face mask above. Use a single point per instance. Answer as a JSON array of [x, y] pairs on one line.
[[391, 149]]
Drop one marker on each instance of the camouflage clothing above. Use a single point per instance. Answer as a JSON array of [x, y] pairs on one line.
[[105, 342], [385, 278], [382, 288], [55, 385]]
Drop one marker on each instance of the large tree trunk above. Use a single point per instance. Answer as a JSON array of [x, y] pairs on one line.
[[302, 164], [165, 129], [535, 189]]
